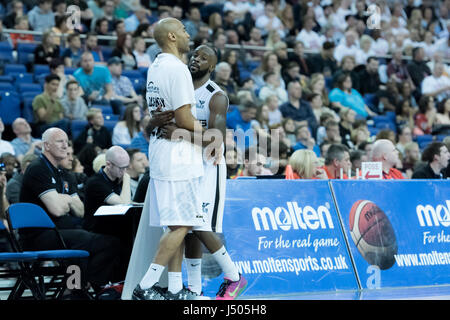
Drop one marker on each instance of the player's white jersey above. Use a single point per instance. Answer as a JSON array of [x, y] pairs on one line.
[[169, 87], [203, 96]]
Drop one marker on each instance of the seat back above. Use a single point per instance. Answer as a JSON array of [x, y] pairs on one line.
[[28, 215]]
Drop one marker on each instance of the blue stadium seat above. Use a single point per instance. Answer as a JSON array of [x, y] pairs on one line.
[[25, 52], [106, 108], [14, 68], [138, 84], [6, 52], [22, 78], [132, 74], [68, 70], [8, 79], [373, 130], [40, 69], [77, 126], [30, 94], [110, 125], [111, 117], [7, 86], [29, 87], [27, 109], [107, 52], [143, 71], [9, 106], [386, 125], [424, 140]]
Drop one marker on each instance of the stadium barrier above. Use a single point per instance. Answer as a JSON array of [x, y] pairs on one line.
[[290, 237]]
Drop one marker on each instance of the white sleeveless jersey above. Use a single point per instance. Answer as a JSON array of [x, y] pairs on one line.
[[203, 96]]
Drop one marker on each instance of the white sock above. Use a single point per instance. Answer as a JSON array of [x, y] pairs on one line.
[[194, 271], [151, 276], [175, 282], [223, 259]]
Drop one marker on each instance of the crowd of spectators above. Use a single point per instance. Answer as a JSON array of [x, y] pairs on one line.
[[313, 76]]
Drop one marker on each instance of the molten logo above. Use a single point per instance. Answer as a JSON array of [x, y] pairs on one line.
[[429, 216], [292, 217]]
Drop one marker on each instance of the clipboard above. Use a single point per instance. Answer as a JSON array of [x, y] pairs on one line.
[[116, 210]]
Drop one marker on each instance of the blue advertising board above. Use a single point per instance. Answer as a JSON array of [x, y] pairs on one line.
[[285, 237], [398, 231]]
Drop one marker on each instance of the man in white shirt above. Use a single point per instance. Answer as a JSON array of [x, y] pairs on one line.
[[311, 39], [5, 146], [348, 48], [437, 84], [176, 165], [269, 21]]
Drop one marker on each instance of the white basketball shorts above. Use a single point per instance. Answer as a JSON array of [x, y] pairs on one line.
[[175, 203]]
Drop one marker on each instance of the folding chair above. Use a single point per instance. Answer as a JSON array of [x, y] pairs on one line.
[[29, 215], [23, 274]]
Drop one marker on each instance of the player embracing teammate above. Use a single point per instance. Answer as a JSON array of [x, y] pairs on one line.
[[179, 177]]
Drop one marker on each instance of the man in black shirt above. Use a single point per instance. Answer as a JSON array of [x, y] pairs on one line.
[[111, 186], [436, 156], [55, 191], [95, 132], [417, 67]]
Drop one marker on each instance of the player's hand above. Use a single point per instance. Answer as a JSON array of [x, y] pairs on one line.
[[159, 119], [168, 130]]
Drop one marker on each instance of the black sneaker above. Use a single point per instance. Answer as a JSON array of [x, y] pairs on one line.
[[184, 294], [153, 293]]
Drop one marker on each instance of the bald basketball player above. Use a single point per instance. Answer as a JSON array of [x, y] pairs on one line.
[[176, 165]]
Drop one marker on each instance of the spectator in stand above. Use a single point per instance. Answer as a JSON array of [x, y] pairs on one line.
[[305, 140], [231, 57], [108, 8], [370, 86], [268, 64], [128, 128], [95, 133], [311, 39], [406, 94], [317, 85], [297, 108], [337, 162], [57, 67], [255, 40], [346, 126], [332, 132], [443, 112], [133, 21], [5, 146], [347, 65], [269, 21], [139, 52], [411, 159], [291, 72], [193, 21], [360, 137], [91, 45], [304, 164], [225, 82], [344, 96], [324, 62], [426, 117], [273, 87], [385, 152], [275, 116], [437, 85], [123, 88], [101, 29], [141, 140], [220, 40], [72, 54], [24, 143], [124, 50], [365, 51], [405, 114], [41, 17], [119, 28], [215, 22], [136, 169], [74, 106], [239, 120], [417, 67], [348, 47], [21, 23], [15, 183], [96, 83], [48, 110], [299, 56], [397, 68], [436, 157], [61, 29], [404, 137], [16, 11], [254, 162]]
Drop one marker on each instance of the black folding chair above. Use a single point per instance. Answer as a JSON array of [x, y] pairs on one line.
[[29, 215], [17, 265]]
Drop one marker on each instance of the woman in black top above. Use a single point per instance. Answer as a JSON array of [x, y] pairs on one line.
[[47, 50], [124, 50]]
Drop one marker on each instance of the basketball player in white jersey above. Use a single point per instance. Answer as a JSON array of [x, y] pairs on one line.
[[176, 165], [211, 111]]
